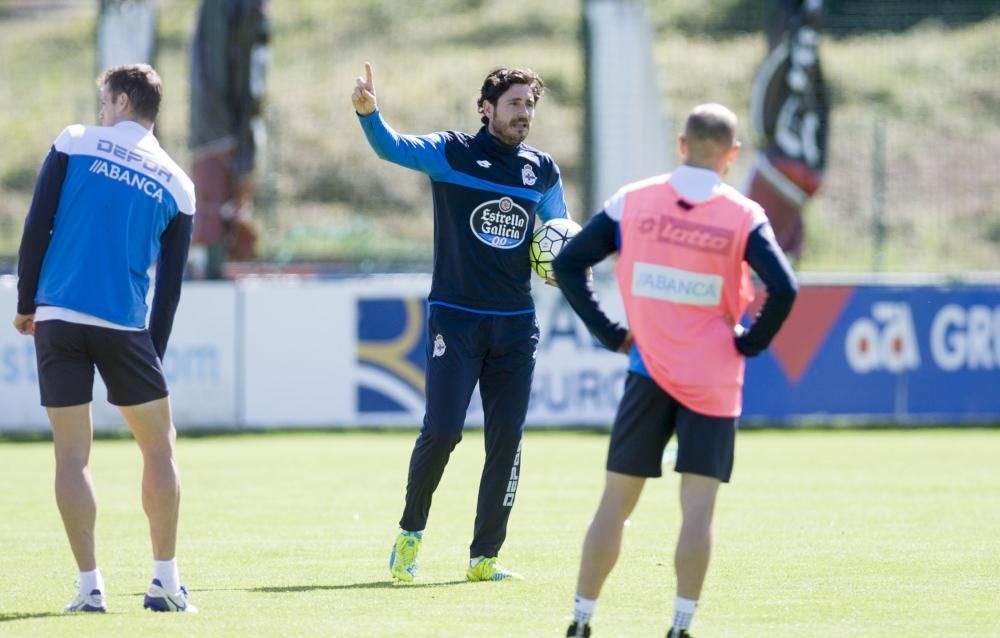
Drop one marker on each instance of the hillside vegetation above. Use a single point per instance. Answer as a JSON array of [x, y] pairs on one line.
[[933, 88]]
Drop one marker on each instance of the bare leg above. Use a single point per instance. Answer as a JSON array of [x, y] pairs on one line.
[[604, 536], [72, 433], [152, 425], [695, 543]]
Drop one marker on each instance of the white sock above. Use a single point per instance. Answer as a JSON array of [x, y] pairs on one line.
[[89, 581], [165, 571], [583, 609], [684, 612], [475, 561]]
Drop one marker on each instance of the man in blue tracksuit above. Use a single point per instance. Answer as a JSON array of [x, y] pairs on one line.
[[487, 188], [109, 203]]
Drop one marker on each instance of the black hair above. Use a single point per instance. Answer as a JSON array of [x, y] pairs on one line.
[[499, 80]]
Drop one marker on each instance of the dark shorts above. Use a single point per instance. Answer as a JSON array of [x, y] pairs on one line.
[[648, 416], [68, 352]]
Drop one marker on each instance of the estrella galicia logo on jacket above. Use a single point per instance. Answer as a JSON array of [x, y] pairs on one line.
[[528, 175], [500, 223]]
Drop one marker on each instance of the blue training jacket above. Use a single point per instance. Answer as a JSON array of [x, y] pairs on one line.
[[486, 197], [105, 199]]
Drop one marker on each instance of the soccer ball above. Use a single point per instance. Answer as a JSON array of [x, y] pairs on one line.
[[548, 240]]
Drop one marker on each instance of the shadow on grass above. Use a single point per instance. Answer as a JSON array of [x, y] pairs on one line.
[[9, 616], [294, 589], [378, 584]]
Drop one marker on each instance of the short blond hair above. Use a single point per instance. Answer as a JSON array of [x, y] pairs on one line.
[[710, 131]]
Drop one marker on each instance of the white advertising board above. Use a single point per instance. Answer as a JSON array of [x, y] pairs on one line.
[[294, 352], [200, 365], [298, 360]]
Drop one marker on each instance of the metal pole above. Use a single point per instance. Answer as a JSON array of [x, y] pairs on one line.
[[878, 194]]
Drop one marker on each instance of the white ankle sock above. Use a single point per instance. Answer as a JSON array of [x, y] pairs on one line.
[[165, 571], [684, 612], [89, 581], [583, 609]]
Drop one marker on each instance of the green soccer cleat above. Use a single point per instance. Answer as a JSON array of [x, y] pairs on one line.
[[487, 568], [403, 560]]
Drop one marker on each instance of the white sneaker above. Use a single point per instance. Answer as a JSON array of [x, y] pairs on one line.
[[94, 601], [157, 599]]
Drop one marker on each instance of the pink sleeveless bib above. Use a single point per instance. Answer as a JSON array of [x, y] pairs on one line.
[[685, 284]]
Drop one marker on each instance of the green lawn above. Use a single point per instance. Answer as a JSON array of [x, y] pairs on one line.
[[881, 533]]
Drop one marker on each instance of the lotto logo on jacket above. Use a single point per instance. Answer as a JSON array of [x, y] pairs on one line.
[[688, 234]]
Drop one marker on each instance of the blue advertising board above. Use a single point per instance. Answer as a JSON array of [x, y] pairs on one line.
[[847, 353], [890, 353]]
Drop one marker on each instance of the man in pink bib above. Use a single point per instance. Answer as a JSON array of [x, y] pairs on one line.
[[685, 242]]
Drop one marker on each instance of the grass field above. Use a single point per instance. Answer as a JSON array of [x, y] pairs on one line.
[[822, 534]]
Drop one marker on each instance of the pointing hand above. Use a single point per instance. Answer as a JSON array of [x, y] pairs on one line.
[[363, 96]]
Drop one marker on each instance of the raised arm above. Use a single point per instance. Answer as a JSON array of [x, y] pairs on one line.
[[423, 153]]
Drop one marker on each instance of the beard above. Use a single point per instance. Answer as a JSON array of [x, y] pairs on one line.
[[513, 132]]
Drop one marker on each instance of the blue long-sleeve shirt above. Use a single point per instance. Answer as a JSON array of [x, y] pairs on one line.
[[486, 196], [108, 203]]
